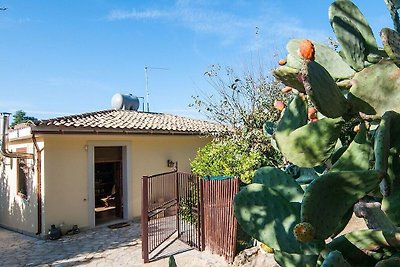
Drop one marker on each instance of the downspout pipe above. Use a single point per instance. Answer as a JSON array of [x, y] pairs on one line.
[[4, 130], [39, 184]]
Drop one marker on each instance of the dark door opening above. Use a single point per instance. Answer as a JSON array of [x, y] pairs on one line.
[[108, 184]]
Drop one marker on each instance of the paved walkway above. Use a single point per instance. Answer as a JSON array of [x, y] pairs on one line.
[[101, 246]]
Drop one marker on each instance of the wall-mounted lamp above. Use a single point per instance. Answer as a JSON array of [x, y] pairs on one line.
[[170, 163]]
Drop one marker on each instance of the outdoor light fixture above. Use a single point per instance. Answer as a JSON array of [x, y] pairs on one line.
[[170, 163]]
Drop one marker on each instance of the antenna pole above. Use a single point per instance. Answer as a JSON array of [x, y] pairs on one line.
[[146, 79], [147, 89]]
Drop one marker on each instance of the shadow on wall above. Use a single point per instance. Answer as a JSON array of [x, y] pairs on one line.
[[18, 211]]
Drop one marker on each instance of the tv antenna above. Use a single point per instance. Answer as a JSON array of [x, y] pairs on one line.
[[146, 78]]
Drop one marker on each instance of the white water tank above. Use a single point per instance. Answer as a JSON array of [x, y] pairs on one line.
[[124, 101]]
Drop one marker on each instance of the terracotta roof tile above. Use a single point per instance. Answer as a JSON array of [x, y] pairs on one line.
[[127, 121]]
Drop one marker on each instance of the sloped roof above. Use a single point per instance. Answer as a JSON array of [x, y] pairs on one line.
[[126, 122]]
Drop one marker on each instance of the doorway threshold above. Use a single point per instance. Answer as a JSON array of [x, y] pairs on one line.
[[111, 222]]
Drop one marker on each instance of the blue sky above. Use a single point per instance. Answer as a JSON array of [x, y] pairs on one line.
[[68, 56]]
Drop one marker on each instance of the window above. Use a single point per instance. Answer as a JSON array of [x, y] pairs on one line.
[[22, 176]]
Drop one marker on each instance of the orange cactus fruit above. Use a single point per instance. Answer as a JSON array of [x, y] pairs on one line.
[[356, 128], [313, 119], [286, 89], [304, 232], [312, 110], [307, 50], [312, 113], [279, 105], [282, 62], [312, 116]]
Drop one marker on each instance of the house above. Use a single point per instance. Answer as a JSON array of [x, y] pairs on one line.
[[86, 169]]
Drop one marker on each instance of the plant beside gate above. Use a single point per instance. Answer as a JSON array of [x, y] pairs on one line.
[[360, 82], [188, 202], [225, 157]]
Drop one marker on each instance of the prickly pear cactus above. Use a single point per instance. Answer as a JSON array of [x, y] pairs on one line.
[[298, 214]]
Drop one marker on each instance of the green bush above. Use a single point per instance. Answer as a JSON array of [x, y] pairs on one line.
[[228, 158]]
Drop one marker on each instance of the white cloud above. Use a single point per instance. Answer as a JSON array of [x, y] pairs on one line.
[[134, 14], [46, 113], [208, 18], [30, 110], [8, 22], [200, 19]]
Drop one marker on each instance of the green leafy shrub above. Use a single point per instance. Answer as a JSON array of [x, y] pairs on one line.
[[187, 203], [228, 158]]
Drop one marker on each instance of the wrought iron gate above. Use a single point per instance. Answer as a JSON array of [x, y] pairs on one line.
[[189, 209], [170, 204]]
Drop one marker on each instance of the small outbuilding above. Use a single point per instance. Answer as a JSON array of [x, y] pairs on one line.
[[86, 169]]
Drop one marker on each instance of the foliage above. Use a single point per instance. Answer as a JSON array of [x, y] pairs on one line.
[[356, 86], [239, 100], [225, 157], [243, 102], [187, 203], [20, 117]]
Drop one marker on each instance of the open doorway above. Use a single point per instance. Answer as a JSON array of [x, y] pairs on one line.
[[108, 184]]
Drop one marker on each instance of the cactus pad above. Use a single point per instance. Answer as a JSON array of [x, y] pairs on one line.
[[323, 91], [351, 40], [376, 89], [335, 259], [268, 216], [312, 144], [393, 5], [328, 198], [324, 55], [295, 260], [354, 244], [289, 76], [391, 262], [343, 222], [391, 203], [391, 44], [346, 9], [294, 116], [357, 155], [280, 181], [395, 131]]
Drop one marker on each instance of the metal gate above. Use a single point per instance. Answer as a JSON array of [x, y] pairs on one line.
[[189, 210], [170, 204]]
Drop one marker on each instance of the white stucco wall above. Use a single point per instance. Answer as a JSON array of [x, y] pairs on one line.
[[66, 173], [66, 165], [17, 212]]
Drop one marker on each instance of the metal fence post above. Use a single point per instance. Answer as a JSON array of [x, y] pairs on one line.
[[177, 204], [145, 219], [201, 215]]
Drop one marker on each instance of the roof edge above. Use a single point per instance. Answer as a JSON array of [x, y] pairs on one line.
[[118, 132]]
